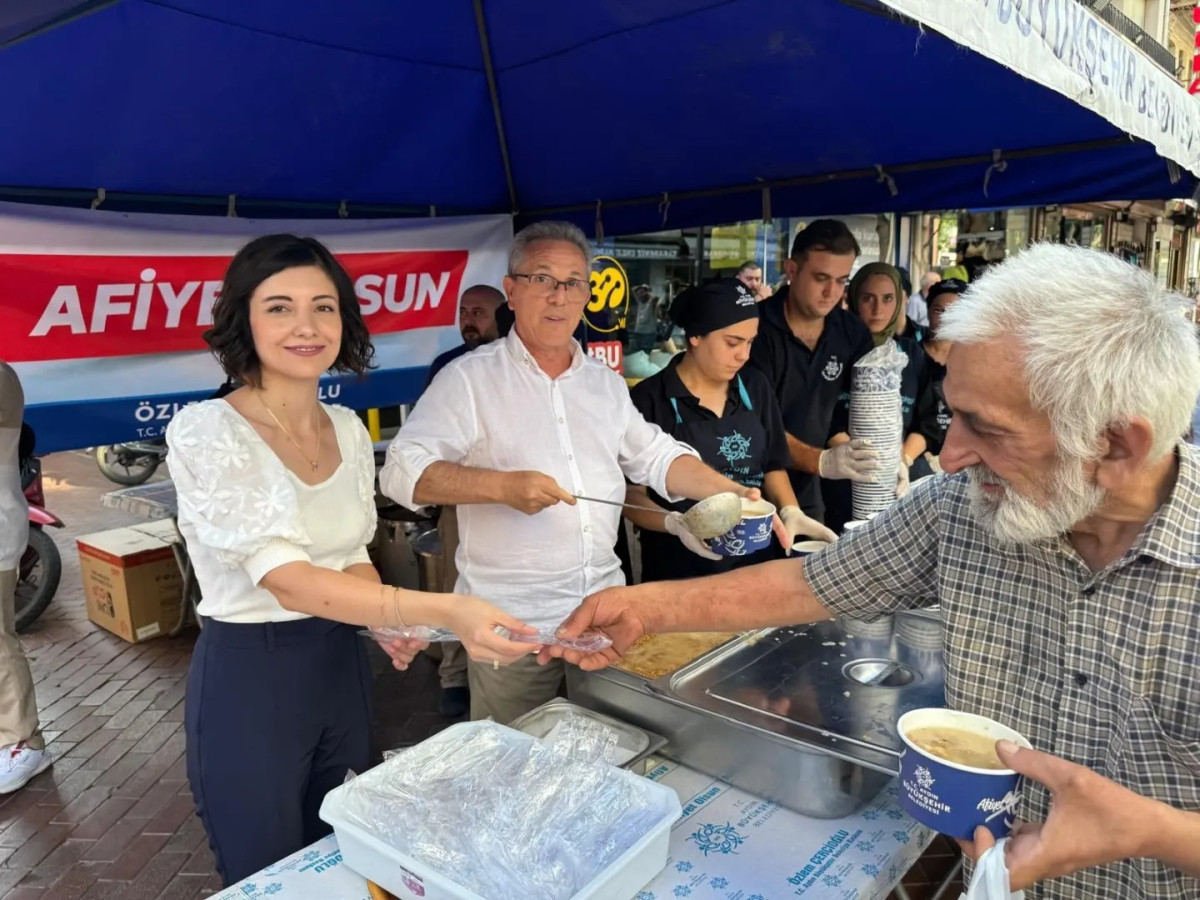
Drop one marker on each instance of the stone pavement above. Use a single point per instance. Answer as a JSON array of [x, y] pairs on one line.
[[114, 817]]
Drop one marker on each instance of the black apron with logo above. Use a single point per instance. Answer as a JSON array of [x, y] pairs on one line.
[[736, 446]]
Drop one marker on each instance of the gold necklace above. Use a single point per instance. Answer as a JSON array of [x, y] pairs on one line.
[[313, 463]]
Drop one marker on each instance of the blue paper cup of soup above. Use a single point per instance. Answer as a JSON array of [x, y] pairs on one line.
[[751, 534], [950, 776]]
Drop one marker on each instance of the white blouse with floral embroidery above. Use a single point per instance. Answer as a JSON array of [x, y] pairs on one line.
[[243, 513]]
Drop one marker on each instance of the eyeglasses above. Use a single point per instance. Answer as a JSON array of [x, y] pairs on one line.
[[575, 288]]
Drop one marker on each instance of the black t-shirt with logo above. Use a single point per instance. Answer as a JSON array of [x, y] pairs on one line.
[[808, 383], [933, 415]]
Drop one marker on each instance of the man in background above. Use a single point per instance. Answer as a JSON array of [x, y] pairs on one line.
[[751, 275], [642, 324], [22, 747], [476, 324], [918, 306]]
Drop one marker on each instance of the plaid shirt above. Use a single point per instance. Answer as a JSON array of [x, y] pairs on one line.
[[1101, 668]]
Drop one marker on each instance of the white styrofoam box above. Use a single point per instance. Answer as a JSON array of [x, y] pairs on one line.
[[412, 879]]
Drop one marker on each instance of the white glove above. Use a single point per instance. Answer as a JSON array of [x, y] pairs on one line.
[[901, 479], [675, 526], [854, 460], [799, 525], [935, 463]]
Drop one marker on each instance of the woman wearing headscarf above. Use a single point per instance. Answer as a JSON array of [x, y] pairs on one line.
[[876, 295], [706, 398]]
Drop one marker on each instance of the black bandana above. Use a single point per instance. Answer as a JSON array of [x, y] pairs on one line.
[[713, 306]]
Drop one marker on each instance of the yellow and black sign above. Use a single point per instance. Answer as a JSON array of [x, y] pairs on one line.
[[607, 309]]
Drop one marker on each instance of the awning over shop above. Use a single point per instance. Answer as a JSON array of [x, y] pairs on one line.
[[634, 115]]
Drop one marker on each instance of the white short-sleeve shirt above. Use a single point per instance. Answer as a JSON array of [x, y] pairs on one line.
[[243, 513]]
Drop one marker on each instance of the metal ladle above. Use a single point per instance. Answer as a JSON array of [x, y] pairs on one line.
[[711, 517]]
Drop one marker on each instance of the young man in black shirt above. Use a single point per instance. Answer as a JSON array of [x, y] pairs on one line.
[[806, 347]]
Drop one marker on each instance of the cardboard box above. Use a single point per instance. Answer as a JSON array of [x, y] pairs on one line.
[[131, 581]]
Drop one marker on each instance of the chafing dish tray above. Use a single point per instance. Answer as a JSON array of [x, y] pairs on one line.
[[805, 716], [634, 745]]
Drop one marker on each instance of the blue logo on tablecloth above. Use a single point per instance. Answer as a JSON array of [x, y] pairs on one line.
[[871, 870], [719, 884], [717, 838], [895, 814], [273, 888], [833, 880], [683, 866], [682, 890], [866, 846], [644, 895], [901, 836], [871, 815]]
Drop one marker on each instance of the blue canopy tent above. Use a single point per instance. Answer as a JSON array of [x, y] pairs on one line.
[[624, 116], [637, 115]]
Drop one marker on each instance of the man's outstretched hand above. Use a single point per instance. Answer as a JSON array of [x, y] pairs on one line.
[[615, 612]]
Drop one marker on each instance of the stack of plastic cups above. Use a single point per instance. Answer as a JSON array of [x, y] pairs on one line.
[[875, 416]]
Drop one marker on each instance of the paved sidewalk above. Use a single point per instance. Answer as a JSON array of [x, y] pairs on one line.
[[114, 817]]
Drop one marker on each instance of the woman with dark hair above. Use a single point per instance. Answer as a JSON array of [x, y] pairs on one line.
[[707, 399], [277, 504], [876, 295]]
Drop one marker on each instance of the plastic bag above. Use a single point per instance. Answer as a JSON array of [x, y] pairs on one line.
[[588, 642], [502, 813], [584, 738], [991, 877]]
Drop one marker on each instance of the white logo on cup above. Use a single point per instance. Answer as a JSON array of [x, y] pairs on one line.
[[1006, 804]]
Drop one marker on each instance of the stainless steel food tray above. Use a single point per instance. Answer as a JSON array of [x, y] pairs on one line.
[[804, 716], [637, 743]]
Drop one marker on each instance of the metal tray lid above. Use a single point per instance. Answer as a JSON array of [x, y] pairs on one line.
[[822, 683]]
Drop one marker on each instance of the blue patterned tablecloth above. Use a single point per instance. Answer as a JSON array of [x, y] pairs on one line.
[[727, 845], [730, 845]]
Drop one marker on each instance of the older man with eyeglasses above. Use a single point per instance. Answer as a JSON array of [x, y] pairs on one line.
[[512, 434]]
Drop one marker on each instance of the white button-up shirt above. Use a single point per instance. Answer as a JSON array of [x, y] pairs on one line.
[[495, 408]]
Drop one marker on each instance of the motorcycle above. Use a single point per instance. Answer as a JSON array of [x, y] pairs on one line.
[[133, 462], [40, 568]]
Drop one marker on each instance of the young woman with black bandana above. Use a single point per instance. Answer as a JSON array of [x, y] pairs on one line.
[[706, 398]]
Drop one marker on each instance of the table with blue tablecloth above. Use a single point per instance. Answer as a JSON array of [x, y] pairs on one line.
[[727, 845]]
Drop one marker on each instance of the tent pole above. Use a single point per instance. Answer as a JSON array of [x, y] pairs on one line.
[[893, 170], [489, 71]]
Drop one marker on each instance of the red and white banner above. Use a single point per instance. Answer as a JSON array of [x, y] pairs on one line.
[[101, 309], [69, 306]]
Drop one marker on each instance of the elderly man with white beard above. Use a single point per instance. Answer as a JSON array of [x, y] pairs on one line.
[[1063, 544]]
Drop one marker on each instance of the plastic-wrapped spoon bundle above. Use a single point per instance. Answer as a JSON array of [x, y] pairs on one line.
[[588, 642]]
